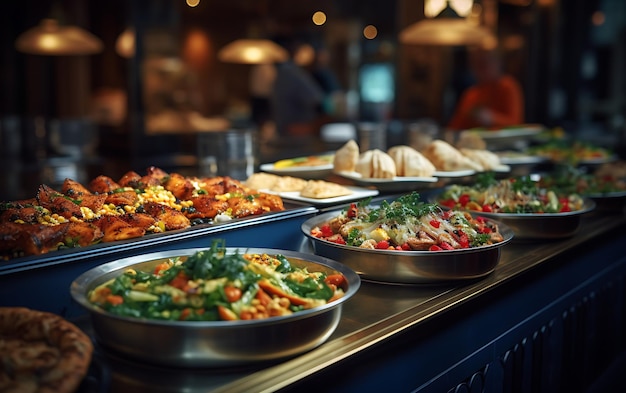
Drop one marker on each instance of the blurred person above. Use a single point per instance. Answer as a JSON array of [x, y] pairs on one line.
[[262, 77], [495, 100], [296, 98], [327, 79]]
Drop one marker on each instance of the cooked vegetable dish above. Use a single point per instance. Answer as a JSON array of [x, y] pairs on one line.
[[513, 195], [106, 210], [407, 224], [212, 285]]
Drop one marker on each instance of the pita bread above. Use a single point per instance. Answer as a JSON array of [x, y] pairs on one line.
[[262, 180], [376, 164], [41, 351], [485, 158], [410, 162], [446, 157], [346, 157], [320, 189]]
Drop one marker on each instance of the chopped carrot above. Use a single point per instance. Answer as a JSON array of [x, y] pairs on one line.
[[274, 290], [115, 300], [226, 314]]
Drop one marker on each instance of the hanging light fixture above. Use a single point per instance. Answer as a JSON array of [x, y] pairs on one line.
[[447, 28], [50, 38], [125, 43], [252, 51]]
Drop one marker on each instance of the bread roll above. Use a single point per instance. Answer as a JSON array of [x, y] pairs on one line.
[[346, 157], [485, 158], [446, 157], [410, 162], [376, 164]]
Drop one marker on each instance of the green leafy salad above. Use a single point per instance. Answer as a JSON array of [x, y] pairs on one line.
[[212, 285], [407, 224]]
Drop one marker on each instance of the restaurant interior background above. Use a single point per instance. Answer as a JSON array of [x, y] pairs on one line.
[[127, 107]]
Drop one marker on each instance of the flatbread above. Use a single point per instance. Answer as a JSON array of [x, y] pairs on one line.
[[376, 164], [320, 189], [346, 157], [41, 352], [410, 162], [261, 180], [485, 158], [446, 157]]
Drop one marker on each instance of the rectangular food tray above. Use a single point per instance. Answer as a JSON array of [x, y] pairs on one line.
[[42, 282]]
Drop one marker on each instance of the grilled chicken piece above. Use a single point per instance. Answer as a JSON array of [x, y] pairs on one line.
[[57, 202], [28, 214], [172, 218], [30, 239], [122, 198], [271, 202], [154, 177], [82, 234], [140, 220], [206, 206], [180, 186], [103, 184], [93, 202], [421, 242], [114, 228], [130, 179], [243, 207], [74, 189]]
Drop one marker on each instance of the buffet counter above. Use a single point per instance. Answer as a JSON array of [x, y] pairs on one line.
[[550, 317]]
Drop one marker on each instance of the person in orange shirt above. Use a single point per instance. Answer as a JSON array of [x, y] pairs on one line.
[[495, 101]]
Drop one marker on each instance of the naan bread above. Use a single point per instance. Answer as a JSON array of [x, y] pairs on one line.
[[288, 183], [41, 352], [376, 164], [410, 162], [446, 157], [346, 157], [261, 180], [485, 158], [470, 140], [320, 189]]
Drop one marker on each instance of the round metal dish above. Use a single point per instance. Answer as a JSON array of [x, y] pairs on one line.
[[540, 226], [215, 343], [409, 267]]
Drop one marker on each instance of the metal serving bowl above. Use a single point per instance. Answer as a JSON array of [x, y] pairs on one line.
[[212, 343], [409, 267], [539, 226]]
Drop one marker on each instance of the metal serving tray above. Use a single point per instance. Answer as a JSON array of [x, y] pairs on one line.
[[41, 282]]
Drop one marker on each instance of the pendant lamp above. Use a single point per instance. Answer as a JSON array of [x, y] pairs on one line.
[[252, 51], [447, 28], [50, 38]]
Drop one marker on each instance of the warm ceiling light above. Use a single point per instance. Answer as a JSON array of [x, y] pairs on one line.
[[125, 44], [432, 8], [370, 32], [193, 3], [319, 18], [49, 38], [252, 51], [447, 28]]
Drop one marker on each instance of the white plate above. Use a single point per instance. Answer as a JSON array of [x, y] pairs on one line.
[[305, 172], [509, 132], [509, 158], [357, 193], [502, 168], [398, 183], [460, 173]]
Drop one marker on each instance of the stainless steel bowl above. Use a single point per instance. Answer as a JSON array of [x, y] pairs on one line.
[[214, 343], [409, 267], [543, 226]]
